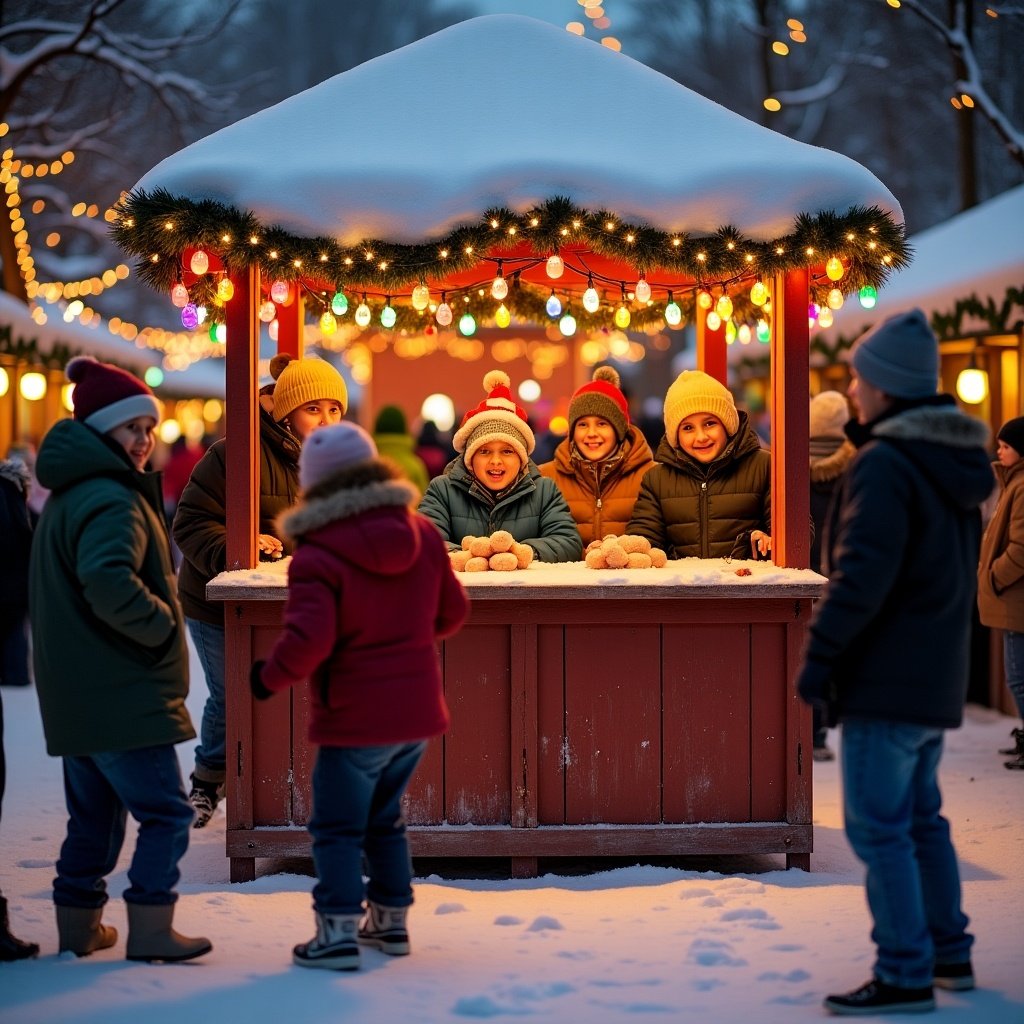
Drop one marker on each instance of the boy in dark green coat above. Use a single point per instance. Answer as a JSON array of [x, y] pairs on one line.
[[110, 665]]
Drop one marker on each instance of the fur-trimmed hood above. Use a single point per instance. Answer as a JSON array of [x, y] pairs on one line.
[[827, 468], [17, 472], [947, 446], [370, 526]]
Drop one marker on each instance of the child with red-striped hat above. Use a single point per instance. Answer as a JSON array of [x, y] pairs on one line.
[[497, 486], [599, 465]]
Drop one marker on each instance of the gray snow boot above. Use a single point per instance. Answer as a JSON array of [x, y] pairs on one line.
[[334, 948], [81, 930], [384, 928], [152, 937]]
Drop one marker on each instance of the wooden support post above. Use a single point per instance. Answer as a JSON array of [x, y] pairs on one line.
[[790, 397], [711, 349], [290, 323], [242, 421]]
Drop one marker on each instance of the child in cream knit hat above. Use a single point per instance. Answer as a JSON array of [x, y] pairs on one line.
[[709, 496], [497, 486]]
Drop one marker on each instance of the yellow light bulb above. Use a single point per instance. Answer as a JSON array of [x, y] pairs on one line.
[[502, 317], [420, 297], [622, 317], [834, 269], [704, 299], [724, 306], [759, 293]]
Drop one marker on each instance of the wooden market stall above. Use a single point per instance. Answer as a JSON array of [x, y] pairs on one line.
[[652, 715]]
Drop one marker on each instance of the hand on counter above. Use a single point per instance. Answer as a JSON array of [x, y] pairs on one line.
[[760, 544], [269, 546]]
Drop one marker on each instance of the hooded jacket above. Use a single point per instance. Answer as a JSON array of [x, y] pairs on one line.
[[200, 529], [109, 652], [532, 510], [370, 591], [1001, 568], [692, 509], [601, 495], [827, 467], [891, 638]]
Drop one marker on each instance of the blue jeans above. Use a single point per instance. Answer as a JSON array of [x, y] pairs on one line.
[[357, 797], [1013, 663], [100, 790], [209, 644], [891, 803]]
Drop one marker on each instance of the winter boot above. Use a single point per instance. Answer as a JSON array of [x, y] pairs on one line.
[[204, 797], [334, 948], [151, 937], [1017, 735], [80, 930], [384, 928], [12, 948], [1016, 763]]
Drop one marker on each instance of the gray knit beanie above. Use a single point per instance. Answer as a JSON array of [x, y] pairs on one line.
[[900, 356]]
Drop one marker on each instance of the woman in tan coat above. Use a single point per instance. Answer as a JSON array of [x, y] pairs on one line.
[[1001, 570], [599, 466]]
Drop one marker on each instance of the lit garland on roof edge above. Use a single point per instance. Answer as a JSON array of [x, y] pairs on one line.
[[158, 228]]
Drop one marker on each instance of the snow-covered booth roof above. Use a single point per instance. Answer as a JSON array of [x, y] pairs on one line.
[[506, 138]]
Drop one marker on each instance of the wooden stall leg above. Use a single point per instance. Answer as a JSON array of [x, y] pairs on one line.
[[524, 867], [242, 869], [801, 861]]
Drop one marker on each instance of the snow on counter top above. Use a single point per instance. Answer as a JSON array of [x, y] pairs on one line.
[[686, 577]]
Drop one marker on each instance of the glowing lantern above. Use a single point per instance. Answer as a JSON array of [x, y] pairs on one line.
[[673, 314], [179, 295], [328, 324], [759, 293], [502, 317], [339, 303], [279, 292], [444, 314], [555, 267], [420, 297], [467, 325], [834, 269], [764, 332], [567, 325], [835, 299], [591, 300], [868, 296], [388, 316], [225, 289], [553, 305], [642, 291], [267, 312], [189, 316], [363, 315], [704, 299], [200, 263], [622, 317], [153, 376], [714, 321], [724, 306], [499, 287], [32, 386]]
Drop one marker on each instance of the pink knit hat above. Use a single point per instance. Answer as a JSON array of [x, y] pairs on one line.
[[497, 417], [106, 396]]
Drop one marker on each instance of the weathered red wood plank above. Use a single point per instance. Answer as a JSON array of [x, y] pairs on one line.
[[769, 748], [477, 784], [706, 723], [551, 725], [613, 726]]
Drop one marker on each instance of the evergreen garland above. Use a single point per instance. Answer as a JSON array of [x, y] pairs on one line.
[[157, 228]]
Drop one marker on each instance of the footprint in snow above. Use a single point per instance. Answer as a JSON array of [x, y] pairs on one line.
[[792, 976], [709, 953], [507, 919], [545, 924], [450, 908]]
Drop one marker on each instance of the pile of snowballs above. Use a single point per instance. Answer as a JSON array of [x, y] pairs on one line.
[[630, 551], [500, 552]]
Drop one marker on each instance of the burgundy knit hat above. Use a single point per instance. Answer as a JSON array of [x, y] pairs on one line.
[[106, 396], [601, 397], [497, 417]]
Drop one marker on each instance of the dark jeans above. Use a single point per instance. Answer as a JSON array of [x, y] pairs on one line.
[[892, 805], [209, 643], [1013, 663], [101, 790], [357, 797]]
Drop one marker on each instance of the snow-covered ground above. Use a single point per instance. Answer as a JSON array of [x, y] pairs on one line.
[[717, 940]]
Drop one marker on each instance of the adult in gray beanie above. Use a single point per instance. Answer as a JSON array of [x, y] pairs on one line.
[[887, 654], [900, 356]]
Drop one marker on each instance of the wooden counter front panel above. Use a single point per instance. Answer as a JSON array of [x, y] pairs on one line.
[[561, 721]]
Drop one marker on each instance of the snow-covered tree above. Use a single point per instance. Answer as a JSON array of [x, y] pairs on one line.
[[86, 82]]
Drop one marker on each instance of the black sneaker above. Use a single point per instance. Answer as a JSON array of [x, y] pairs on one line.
[[876, 997], [1017, 764], [954, 977], [822, 754], [204, 798], [1017, 735]]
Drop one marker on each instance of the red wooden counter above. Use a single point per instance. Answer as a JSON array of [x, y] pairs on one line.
[[594, 712]]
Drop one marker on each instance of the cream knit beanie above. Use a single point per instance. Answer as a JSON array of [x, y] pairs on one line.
[[696, 391]]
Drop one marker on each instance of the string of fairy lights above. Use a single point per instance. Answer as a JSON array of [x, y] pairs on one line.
[[189, 249]]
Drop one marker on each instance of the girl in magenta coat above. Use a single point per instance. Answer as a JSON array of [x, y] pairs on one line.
[[370, 591]]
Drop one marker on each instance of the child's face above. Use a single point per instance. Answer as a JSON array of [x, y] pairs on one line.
[[703, 436], [312, 415], [496, 465], [1007, 454], [137, 439], [594, 437]]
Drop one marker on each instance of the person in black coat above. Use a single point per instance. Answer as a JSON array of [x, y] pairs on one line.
[[887, 655]]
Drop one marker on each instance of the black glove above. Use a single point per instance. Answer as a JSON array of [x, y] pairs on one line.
[[259, 691], [816, 687]]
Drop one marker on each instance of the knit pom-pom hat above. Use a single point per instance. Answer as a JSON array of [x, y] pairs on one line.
[[601, 397], [496, 418], [305, 380], [331, 449], [696, 391], [106, 396], [829, 414]]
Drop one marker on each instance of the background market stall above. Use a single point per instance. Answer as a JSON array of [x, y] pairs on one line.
[[472, 222]]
